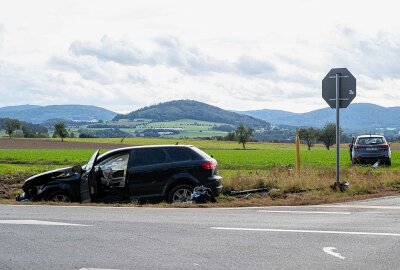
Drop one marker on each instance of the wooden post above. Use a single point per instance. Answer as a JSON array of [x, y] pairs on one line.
[[297, 152]]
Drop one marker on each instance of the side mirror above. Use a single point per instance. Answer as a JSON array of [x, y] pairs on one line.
[[77, 169]]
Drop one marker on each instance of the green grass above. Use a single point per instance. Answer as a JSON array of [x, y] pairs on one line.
[[24, 170], [262, 165], [264, 156], [44, 156]]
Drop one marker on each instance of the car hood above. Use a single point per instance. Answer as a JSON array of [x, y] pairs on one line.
[[42, 178]]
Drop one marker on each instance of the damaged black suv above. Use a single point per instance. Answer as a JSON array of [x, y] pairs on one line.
[[141, 173]]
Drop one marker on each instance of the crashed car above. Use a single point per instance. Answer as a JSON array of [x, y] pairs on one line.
[[370, 149], [141, 173]]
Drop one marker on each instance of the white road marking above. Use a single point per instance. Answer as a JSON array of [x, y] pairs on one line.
[[329, 250], [304, 231], [96, 269], [358, 206], [39, 222], [304, 212]]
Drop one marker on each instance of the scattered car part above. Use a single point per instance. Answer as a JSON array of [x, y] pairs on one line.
[[342, 187], [243, 194], [201, 194]]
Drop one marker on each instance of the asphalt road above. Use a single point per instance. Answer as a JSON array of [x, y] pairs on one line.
[[358, 235]]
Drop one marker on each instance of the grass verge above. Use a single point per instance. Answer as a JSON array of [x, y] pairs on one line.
[[312, 186]]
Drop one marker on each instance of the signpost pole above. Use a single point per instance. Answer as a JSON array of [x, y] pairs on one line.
[[338, 94], [337, 132]]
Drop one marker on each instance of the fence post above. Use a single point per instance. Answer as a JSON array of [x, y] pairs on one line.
[[297, 152]]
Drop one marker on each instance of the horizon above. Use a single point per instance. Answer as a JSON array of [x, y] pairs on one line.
[[327, 107]]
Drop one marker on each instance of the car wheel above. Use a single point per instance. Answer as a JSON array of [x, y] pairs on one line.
[[389, 162], [59, 196], [180, 193]]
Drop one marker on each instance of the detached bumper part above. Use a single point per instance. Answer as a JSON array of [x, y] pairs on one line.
[[22, 198]]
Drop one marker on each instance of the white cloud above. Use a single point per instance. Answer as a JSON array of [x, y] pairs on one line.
[[170, 52], [251, 55]]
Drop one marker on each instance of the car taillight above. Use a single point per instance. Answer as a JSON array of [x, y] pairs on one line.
[[384, 146], [358, 146], [208, 165]]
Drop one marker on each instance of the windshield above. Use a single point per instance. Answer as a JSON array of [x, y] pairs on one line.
[[92, 160], [371, 140]]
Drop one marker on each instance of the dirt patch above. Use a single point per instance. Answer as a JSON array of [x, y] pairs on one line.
[[44, 144], [10, 186]]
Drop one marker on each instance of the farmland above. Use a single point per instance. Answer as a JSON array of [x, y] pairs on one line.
[[261, 165], [184, 128]]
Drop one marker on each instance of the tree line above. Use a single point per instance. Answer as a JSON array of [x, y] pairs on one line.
[[308, 136], [325, 135], [11, 126]]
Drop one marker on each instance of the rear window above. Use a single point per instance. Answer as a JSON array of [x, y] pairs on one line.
[[200, 152], [182, 154], [370, 140], [148, 156]]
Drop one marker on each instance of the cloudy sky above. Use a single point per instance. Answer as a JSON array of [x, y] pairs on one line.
[[238, 55]]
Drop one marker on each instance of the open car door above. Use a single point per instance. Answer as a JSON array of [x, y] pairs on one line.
[[88, 187]]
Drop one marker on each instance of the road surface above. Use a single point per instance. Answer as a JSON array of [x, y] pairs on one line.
[[357, 235]]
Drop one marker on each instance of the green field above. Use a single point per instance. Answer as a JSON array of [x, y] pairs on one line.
[[230, 156], [261, 165], [187, 128]]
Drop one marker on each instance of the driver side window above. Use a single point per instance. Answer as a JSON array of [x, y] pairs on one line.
[[114, 170], [116, 163]]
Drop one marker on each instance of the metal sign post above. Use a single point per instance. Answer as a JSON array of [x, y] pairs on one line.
[[338, 94], [337, 78]]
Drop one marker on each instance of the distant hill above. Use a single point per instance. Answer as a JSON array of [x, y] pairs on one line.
[[18, 108], [190, 109], [358, 117], [40, 114]]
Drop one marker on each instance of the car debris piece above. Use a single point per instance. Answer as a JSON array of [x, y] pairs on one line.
[[202, 194], [342, 187], [243, 194]]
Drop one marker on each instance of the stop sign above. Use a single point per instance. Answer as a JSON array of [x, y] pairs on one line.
[[347, 87]]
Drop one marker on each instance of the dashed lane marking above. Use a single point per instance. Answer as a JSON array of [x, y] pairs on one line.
[[304, 212], [306, 231], [39, 222], [97, 269]]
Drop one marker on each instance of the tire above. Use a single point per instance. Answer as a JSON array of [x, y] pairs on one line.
[[59, 196], [389, 162], [180, 193]]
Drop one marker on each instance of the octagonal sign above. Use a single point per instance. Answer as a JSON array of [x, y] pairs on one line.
[[347, 87]]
